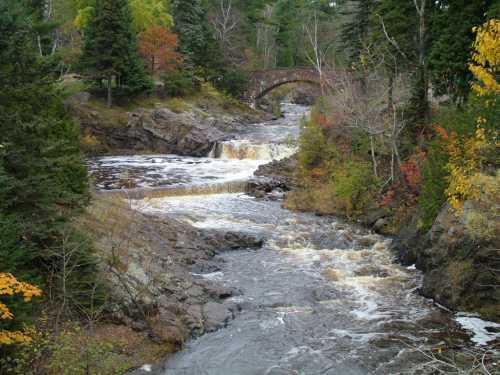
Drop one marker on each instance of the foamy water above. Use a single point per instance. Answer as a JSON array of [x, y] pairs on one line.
[[320, 297]]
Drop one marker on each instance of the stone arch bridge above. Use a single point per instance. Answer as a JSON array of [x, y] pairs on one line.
[[263, 81]]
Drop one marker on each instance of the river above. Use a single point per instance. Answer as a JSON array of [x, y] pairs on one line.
[[320, 297]]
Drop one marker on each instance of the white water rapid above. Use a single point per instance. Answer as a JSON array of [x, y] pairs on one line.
[[320, 297]]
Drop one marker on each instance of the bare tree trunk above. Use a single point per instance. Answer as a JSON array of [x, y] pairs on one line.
[[39, 44], [110, 98], [422, 66], [374, 159], [266, 39], [390, 92], [55, 44], [317, 59], [225, 23]]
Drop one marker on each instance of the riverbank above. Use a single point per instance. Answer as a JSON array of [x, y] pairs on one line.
[[151, 266], [188, 125]]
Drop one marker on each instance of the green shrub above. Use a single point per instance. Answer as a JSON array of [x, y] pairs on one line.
[[232, 81], [73, 351], [312, 145], [73, 356], [180, 83], [354, 186], [434, 183], [315, 149]]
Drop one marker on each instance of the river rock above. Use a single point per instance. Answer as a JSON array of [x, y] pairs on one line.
[[216, 315], [165, 131], [273, 179]]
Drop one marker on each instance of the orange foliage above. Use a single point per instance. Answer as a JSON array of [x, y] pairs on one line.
[[323, 121], [158, 46], [388, 197]]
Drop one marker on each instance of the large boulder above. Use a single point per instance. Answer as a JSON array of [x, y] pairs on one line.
[[188, 128], [165, 131]]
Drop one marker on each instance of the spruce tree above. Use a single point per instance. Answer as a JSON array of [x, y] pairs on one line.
[[355, 30], [289, 28], [450, 53], [110, 52], [43, 179], [191, 25]]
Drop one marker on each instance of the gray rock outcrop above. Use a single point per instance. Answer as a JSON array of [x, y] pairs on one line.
[[155, 269], [168, 132]]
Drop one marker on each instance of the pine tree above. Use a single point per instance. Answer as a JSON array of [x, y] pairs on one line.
[[287, 19], [110, 51], [43, 179], [355, 30], [191, 25], [452, 24]]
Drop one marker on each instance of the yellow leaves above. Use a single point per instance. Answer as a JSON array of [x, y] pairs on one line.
[[13, 337], [5, 312], [464, 166], [83, 18], [10, 286], [486, 57]]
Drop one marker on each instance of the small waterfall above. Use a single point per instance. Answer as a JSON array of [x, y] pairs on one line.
[[213, 152], [162, 192], [244, 149]]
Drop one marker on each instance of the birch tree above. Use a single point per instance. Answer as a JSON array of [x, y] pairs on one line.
[[266, 38], [319, 41], [225, 23]]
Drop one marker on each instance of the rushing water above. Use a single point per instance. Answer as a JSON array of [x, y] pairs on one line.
[[321, 296], [230, 161]]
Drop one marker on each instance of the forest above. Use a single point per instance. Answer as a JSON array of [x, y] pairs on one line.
[[404, 126]]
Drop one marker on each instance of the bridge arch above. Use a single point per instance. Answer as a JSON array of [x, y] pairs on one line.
[[264, 81]]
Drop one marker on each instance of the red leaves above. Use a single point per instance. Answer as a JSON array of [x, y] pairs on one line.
[[411, 169], [387, 198], [158, 46]]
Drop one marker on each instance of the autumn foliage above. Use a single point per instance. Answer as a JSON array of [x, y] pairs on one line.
[[10, 286], [412, 169], [158, 46], [486, 57]]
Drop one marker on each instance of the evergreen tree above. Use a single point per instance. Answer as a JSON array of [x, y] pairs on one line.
[[402, 29], [191, 25], [43, 180], [110, 51], [355, 30], [400, 22], [286, 17], [452, 24]]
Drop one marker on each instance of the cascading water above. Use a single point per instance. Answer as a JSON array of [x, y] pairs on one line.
[[321, 297], [247, 150], [225, 169], [269, 141]]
